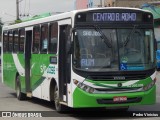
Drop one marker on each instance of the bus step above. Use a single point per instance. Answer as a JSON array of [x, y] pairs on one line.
[[29, 94], [63, 103]]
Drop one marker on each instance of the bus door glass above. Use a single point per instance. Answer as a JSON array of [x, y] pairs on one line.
[[64, 59], [28, 42]]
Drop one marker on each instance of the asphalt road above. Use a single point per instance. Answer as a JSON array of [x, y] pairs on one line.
[[9, 102]]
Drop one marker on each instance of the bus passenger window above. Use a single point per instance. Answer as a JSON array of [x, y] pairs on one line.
[[36, 39], [53, 38], [16, 41], [10, 41], [21, 36], [5, 42], [44, 38]]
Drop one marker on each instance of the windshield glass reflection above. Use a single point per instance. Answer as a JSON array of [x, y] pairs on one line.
[[113, 49]]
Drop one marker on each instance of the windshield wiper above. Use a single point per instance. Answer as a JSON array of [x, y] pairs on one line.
[[128, 36], [103, 36]]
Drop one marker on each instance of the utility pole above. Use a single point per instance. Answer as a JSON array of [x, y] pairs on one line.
[[101, 3], [17, 9], [1, 24]]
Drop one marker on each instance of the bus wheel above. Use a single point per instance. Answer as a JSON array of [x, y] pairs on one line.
[[59, 107], [20, 95]]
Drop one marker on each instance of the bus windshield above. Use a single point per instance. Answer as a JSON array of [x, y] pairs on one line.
[[113, 49]]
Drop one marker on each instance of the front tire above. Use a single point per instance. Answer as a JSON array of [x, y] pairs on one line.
[[59, 107], [20, 95]]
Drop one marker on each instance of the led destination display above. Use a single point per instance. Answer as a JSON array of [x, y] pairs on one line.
[[114, 17]]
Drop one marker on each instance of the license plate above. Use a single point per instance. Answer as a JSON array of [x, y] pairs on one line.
[[120, 99]]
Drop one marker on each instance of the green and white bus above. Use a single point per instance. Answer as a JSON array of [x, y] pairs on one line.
[[99, 57]]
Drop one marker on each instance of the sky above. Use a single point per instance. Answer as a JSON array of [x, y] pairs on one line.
[[32, 7]]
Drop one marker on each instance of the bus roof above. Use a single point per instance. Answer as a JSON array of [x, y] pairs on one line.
[[62, 16]]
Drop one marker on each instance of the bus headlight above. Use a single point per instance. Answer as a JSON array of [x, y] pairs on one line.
[[84, 87], [91, 90], [147, 87]]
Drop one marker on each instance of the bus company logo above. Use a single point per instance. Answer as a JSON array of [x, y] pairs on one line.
[[119, 84], [51, 70], [119, 78], [43, 68], [124, 59]]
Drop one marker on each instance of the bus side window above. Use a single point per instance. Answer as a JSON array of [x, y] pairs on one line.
[[10, 35], [53, 38], [15, 41], [21, 40], [5, 42], [44, 38], [36, 39]]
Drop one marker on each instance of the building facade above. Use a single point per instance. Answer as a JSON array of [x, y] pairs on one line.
[[83, 4], [96, 3], [126, 3]]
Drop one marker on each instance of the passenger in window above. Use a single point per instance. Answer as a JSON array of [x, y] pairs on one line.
[[54, 44], [53, 41], [35, 50], [36, 40], [45, 41]]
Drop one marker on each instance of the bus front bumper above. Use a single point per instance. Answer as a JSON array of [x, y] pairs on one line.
[[82, 99]]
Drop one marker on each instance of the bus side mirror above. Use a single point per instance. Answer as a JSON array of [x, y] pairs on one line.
[[158, 60]]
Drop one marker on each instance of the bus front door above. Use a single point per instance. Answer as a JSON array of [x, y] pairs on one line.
[[64, 61], [28, 42]]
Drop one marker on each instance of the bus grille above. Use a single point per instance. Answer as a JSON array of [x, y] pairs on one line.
[[117, 90], [124, 77]]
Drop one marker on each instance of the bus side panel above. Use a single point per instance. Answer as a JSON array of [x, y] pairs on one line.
[[36, 75], [22, 77], [11, 66], [40, 82], [9, 70]]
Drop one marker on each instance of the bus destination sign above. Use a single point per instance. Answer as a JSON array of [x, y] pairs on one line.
[[114, 17]]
